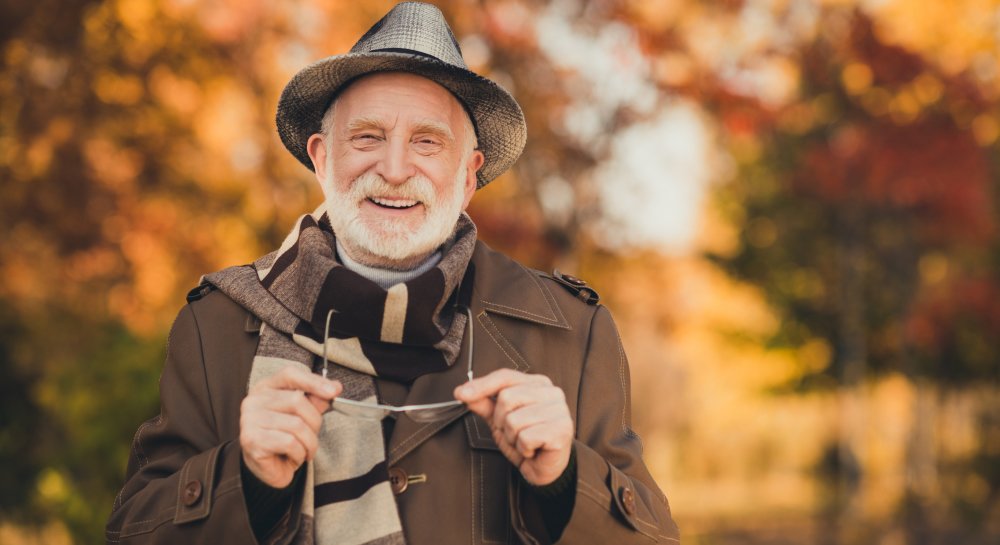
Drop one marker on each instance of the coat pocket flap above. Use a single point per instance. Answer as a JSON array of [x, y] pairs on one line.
[[478, 432]]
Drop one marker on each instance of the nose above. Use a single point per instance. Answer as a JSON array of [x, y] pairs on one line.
[[395, 166]]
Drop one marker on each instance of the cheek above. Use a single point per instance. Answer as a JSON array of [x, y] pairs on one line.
[[349, 164]]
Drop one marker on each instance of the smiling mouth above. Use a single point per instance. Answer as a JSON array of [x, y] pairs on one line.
[[394, 204]]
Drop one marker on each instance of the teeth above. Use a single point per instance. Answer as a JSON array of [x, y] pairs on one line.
[[395, 203]]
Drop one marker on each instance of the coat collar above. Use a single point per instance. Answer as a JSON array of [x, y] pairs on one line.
[[502, 287]]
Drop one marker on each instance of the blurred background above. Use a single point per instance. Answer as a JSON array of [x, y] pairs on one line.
[[791, 207]]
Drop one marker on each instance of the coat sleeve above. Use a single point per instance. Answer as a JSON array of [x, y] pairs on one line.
[[183, 481], [616, 499]]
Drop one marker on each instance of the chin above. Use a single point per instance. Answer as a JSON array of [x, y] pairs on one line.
[[392, 246]]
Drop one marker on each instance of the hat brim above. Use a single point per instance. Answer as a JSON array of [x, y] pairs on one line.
[[497, 117]]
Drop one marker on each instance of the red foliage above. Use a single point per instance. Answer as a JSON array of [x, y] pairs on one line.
[[936, 318], [930, 168]]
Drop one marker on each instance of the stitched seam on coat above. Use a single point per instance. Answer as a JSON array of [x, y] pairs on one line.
[[490, 328], [552, 320], [621, 378], [472, 486], [603, 502], [594, 493], [511, 345], [482, 499], [137, 447], [228, 484], [165, 515], [140, 455], [207, 495], [479, 433], [418, 435], [646, 522], [552, 301]]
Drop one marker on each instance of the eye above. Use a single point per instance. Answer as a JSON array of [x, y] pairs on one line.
[[366, 138], [427, 144]]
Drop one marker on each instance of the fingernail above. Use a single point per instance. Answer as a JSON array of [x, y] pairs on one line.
[[465, 390]]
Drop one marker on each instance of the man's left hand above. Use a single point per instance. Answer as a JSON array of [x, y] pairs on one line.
[[529, 419]]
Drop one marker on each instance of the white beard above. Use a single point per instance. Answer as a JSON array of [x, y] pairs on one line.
[[390, 243]]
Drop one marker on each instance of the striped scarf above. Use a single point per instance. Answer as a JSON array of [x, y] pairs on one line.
[[400, 333]]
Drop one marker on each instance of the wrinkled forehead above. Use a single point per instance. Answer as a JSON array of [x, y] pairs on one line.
[[402, 91]]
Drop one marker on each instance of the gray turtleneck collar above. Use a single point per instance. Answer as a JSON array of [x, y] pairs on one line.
[[386, 278]]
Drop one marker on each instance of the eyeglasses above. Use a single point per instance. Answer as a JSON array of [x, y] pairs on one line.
[[428, 412]]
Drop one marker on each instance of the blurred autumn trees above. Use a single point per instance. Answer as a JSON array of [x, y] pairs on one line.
[[856, 164], [867, 205]]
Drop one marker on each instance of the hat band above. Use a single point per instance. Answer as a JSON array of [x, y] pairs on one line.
[[406, 52]]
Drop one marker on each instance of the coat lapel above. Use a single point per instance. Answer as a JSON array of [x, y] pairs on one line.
[[502, 287]]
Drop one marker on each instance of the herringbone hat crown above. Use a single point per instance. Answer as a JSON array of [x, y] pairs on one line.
[[413, 37]]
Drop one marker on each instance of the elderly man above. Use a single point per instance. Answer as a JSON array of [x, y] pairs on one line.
[[332, 391]]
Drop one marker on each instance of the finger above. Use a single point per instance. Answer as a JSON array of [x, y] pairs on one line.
[[297, 377], [264, 446], [482, 407], [491, 384], [280, 443], [320, 404], [530, 416], [507, 449], [295, 427], [533, 439], [293, 402], [258, 430], [515, 397]]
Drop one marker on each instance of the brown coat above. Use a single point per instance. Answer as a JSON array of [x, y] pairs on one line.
[[184, 472]]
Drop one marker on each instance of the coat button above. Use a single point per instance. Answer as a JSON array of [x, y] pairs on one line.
[[628, 500], [192, 493], [398, 479]]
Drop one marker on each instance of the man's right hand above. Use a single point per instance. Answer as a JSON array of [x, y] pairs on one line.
[[280, 421]]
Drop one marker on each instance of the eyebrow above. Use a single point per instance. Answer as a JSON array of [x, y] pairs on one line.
[[429, 126]]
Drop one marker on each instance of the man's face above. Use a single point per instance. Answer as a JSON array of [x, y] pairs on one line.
[[396, 168]]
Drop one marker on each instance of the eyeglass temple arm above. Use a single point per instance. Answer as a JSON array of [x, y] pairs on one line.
[[468, 316], [326, 336]]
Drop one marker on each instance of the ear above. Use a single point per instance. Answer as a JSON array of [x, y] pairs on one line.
[[317, 153], [475, 162]]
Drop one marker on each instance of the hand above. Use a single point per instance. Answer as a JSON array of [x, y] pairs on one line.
[[279, 426], [529, 419]]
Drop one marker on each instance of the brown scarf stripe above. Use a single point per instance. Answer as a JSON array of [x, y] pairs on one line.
[[353, 299], [399, 363], [350, 489], [404, 365], [425, 292]]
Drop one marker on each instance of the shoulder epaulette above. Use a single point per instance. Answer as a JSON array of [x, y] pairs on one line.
[[199, 292], [577, 287]]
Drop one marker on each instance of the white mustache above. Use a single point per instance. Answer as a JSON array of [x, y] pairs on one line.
[[370, 185]]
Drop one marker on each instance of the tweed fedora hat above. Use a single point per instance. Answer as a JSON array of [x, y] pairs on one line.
[[413, 37]]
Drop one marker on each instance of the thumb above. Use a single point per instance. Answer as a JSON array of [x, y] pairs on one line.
[[482, 407], [322, 404]]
